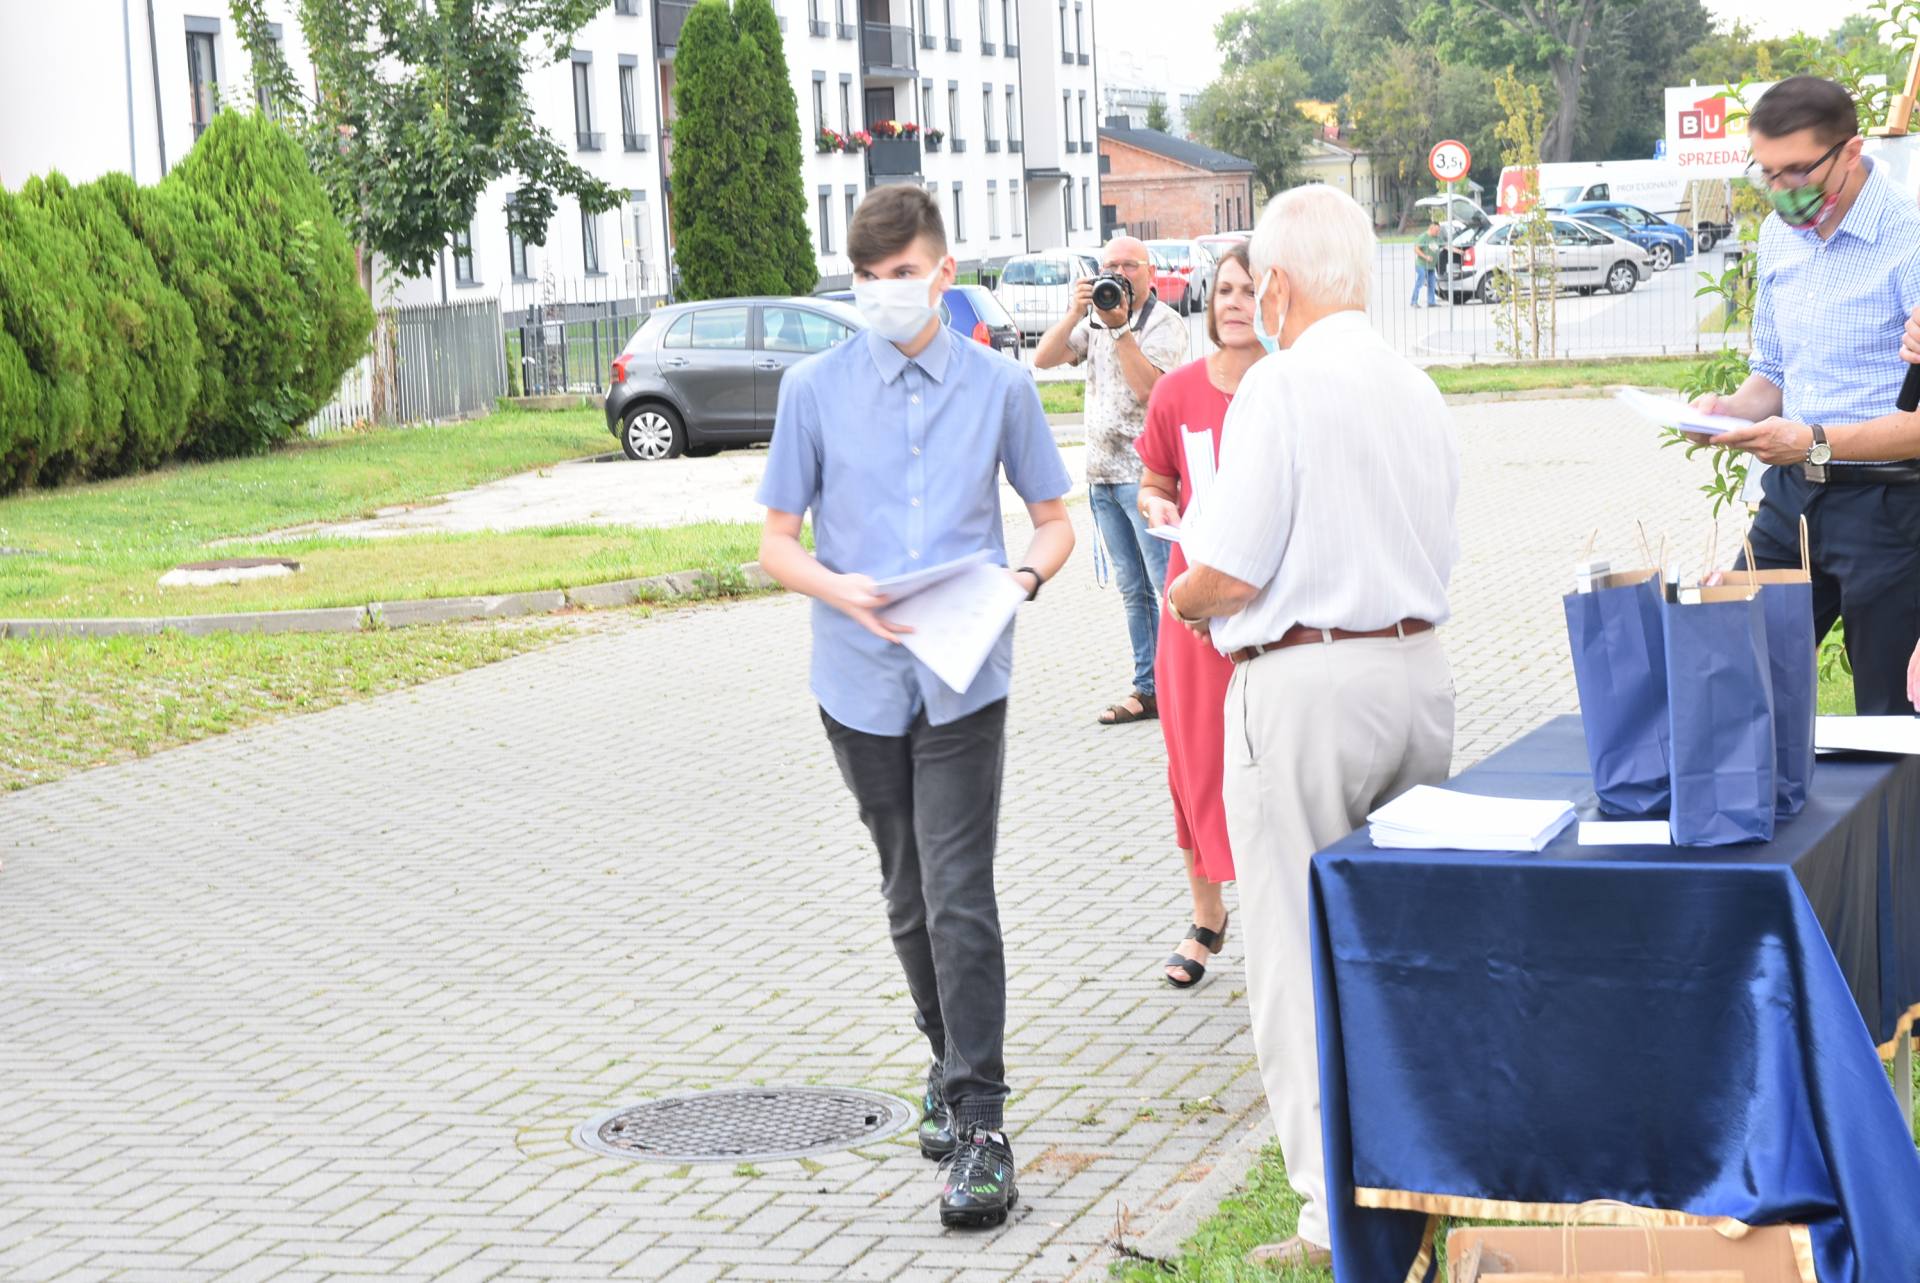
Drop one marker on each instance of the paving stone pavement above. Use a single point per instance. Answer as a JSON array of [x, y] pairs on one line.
[[324, 999]]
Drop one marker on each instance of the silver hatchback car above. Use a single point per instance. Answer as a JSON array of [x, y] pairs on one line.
[[698, 377], [1588, 259]]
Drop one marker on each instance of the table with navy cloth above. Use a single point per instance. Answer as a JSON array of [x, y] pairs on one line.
[[1694, 1031]]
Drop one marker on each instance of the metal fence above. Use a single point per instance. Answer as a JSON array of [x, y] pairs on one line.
[[427, 364], [562, 338]]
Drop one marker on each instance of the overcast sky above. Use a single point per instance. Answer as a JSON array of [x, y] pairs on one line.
[[1158, 42]]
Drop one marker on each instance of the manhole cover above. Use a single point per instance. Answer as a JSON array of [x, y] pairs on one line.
[[751, 1123]]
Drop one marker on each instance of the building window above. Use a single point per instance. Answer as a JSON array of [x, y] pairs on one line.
[[953, 36], [1013, 121], [583, 104], [993, 211], [262, 92], [1079, 34], [1063, 28], [986, 117], [846, 106], [926, 107], [1066, 196], [953, 116], [629, 107], [926, 17], [986, 29], [1015, 210], [1086, 202], [517, 263], [826, 220], [590, 243], [1086, 139], [642, 219], [819, 107], [959, 216], [463, 257], [853, 201], [1007, 36], [202, 73], [1216, 211], [1066, 117]]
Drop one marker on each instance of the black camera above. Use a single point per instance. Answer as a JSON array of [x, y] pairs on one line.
[[1112, 291]]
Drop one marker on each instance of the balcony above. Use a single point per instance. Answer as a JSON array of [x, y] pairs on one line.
[[893, 158], [668, 17], [887, 50], [589, 141], [634, 142]]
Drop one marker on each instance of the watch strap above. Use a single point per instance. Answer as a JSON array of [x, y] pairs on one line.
[[1038, 579]]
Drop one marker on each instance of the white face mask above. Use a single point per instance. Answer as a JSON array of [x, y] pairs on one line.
[[897, 310]]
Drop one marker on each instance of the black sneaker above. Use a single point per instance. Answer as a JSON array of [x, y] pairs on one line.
[[937, 1140], [979, 1191]]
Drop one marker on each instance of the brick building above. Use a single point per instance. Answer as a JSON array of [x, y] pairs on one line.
[[1153, 184]]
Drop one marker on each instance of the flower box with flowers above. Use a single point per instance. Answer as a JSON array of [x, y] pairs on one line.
[[827, 140], [933, 138], [859, 140]]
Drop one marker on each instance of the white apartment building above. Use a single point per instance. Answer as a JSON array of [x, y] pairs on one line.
[[1011, 84]]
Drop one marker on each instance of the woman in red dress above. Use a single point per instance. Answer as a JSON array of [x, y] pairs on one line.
[[1180, 446]]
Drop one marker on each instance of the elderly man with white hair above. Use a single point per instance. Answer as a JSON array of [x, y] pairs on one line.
[[1319, 564]]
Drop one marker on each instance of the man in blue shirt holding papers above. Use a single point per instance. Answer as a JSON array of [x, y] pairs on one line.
[[1839, 274], [895, 441]]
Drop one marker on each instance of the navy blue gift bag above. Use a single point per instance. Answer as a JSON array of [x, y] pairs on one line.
[[1787, 596], [1620, 669], [1720, 696]]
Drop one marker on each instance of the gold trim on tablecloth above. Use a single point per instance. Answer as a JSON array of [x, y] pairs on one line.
[[1498, 1209]]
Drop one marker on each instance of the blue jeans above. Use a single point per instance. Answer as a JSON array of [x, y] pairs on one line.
[[1139, 568], [1424, 276]]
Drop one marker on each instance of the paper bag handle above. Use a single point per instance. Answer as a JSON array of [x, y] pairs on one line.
[[1753, 563], [1569, 1239], [1806, 554], [1645, 550]]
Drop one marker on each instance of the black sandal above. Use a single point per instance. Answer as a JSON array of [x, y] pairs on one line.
[[1194, 971], [1120, 714]]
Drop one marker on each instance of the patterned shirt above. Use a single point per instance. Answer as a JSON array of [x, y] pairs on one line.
[[899, 461], [1114, 415], [1829, 313]]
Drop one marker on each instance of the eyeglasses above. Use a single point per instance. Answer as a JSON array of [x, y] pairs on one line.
[[1122, 265], [1793, 175]]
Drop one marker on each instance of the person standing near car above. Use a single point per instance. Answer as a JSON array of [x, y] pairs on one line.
[[1127, 348], [895, 442], [1426, 261], [1839, 274]]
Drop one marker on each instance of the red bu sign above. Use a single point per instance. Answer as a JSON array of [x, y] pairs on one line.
[[1705, 119]]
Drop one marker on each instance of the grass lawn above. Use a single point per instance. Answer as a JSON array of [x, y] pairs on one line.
[[98, 549], [70, 703], [1650, 372]]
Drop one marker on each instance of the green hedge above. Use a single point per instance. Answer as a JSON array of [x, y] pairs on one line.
[[209, 315]]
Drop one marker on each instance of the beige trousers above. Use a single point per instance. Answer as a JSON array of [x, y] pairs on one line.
[[1317, 736]]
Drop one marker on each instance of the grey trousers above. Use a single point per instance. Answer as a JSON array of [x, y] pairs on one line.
[[931, 800]]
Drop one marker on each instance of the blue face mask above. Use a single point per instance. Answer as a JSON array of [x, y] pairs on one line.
[[1271, 342]]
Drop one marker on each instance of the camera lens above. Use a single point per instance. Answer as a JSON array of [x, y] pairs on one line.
[[1106, 294]]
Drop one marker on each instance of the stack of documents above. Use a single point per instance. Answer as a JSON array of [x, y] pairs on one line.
[[1427, 818], [957, 612], [1899, 735]]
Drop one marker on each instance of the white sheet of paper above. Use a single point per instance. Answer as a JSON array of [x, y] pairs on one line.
[[1669, 413], [1198, 448], [1867, 734], [1625, 833], [901, 587], [957, 621], [1429, 818], [1169, 533]]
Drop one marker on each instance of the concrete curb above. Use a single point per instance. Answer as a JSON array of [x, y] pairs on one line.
[[679, 584]]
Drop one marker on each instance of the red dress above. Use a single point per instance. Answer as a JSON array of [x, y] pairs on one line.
[[1190, 676]]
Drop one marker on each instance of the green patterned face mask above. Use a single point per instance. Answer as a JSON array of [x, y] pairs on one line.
[[1802, 207]]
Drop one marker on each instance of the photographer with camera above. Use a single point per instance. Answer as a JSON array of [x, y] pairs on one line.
[[1128, 341]]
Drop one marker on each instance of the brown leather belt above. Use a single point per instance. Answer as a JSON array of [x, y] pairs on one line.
[[1301, 635]]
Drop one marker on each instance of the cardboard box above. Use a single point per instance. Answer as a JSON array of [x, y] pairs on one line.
[[1619, 1254]]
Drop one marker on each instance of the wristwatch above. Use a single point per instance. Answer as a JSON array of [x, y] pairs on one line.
[[1819, 454], [1037, 580]]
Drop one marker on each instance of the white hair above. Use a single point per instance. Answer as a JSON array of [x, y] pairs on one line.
[[1321, 238]]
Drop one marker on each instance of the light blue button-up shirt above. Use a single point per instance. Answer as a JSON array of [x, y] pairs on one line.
[[899, 461], [1828, 317]]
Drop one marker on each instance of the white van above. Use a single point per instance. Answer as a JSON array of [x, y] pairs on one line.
[[1657, 186], [1038, 288]]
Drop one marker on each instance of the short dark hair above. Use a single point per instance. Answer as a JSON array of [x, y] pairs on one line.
[[1234, 253], [1805, 102], [892, 218]]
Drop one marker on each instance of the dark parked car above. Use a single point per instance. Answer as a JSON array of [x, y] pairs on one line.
[[972, 310], [1641, 221], [701, 376]]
